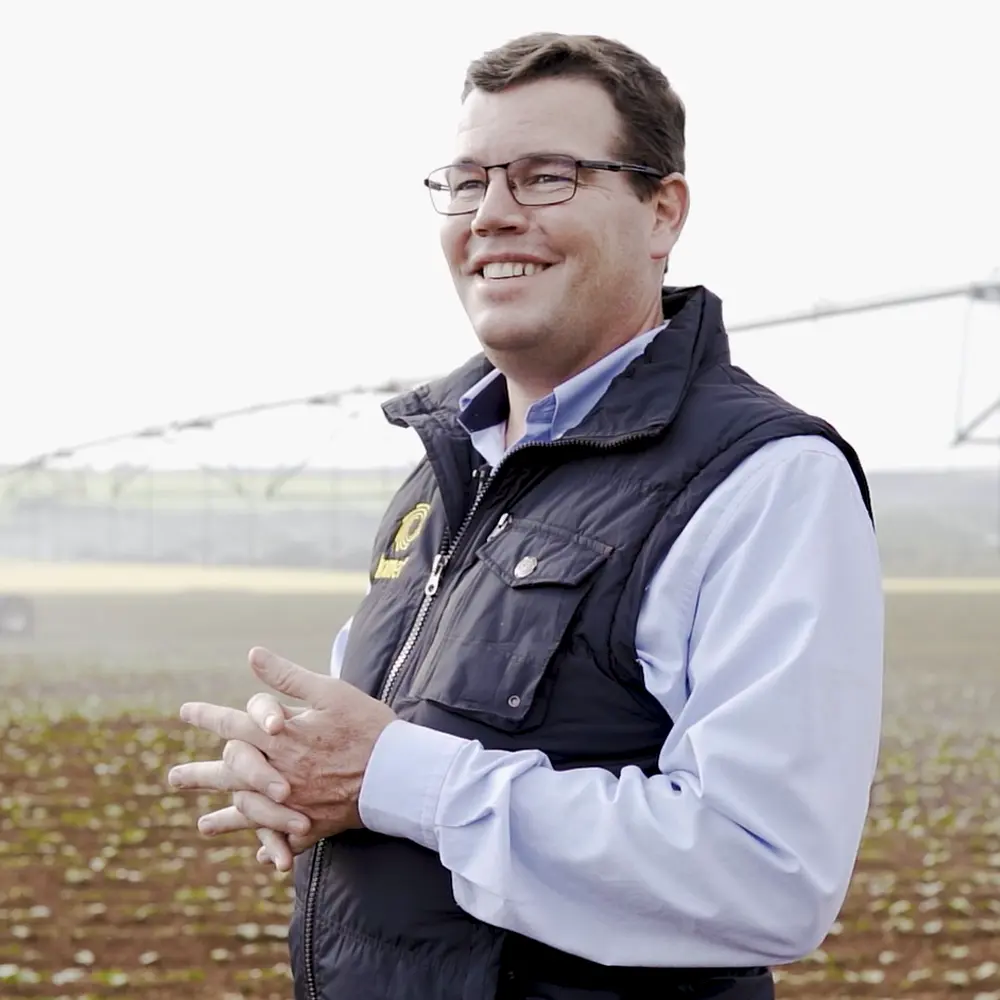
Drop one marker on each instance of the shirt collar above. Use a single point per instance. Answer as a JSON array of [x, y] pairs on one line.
[[486, 405]]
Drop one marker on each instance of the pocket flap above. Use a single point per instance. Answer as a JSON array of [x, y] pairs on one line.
[[529, 553]]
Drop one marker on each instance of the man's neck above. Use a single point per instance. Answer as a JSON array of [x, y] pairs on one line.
[[523, 391], [519, 402]]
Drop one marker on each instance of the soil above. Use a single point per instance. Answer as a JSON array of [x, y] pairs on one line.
[[108, 890]]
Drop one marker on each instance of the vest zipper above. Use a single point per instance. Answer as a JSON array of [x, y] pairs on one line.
[[449, 546], [441, 560], [309, 919]]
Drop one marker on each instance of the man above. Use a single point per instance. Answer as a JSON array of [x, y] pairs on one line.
[[606, 722]]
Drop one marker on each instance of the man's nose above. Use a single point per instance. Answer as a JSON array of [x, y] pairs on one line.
[[498, 209]]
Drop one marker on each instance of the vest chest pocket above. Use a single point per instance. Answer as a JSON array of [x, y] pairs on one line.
[[505, 619]]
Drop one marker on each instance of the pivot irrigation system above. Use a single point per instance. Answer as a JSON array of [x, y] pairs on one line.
[[16, 611]]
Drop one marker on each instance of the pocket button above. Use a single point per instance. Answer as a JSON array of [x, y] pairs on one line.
[[525, 567], [514, 700]]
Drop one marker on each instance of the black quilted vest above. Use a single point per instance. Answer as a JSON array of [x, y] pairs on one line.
[[528, 642]]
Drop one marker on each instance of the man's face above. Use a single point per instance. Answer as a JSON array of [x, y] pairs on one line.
[[602, 251]]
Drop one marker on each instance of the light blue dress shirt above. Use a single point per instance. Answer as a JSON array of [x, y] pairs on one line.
[[761, 634]]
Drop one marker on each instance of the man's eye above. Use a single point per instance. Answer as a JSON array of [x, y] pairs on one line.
[[547, 180]]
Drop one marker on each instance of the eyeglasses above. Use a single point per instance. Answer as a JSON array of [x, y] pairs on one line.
[[544, 179]]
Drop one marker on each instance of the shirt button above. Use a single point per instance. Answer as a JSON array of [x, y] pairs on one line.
[[525, 567], [514, 700]]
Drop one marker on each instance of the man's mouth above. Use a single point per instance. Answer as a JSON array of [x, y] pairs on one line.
[[498, 270]]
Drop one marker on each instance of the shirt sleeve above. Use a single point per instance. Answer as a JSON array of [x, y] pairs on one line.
[[340, 642], [339, 645], [768, 656]]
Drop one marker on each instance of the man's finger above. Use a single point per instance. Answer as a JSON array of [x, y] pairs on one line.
[[204, 775], [228, 820], [249, 811], [229, 723], [259, 810], [251, 769], [294, 845], [274, 848], [291, 679], [268, 713]]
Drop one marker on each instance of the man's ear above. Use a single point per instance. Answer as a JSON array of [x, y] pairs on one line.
[[671, 202]]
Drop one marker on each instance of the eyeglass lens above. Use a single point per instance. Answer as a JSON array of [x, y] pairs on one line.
[[533, 180]]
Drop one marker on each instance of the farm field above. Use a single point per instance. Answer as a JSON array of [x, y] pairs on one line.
[[185, 488], [107, 890]]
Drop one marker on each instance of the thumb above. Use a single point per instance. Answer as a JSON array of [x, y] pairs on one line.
[[289, 678]]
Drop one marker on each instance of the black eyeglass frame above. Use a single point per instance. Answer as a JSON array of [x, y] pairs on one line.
[[615, 166]]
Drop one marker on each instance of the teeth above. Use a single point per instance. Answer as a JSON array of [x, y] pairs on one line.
[[512, 269]]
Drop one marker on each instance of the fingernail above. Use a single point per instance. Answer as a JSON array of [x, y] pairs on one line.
[[271, 723], [276, 791], [298, 826], [206, 828]]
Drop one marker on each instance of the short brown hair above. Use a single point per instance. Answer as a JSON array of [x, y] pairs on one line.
[[652, 114]]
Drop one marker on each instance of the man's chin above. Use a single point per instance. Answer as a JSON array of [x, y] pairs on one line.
[[504, 333]]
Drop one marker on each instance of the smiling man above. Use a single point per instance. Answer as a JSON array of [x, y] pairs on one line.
[[605, 725], [550, 293]]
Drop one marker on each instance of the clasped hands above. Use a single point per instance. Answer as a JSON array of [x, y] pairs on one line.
[[295, 773]]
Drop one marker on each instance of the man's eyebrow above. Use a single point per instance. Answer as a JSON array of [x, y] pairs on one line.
[[541, 154]]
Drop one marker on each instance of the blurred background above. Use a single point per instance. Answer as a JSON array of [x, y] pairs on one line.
[[217, 260]]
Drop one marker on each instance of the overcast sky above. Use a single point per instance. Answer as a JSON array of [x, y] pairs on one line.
[[208, 204]]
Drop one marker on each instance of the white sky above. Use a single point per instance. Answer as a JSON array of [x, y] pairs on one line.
[[207, 204]]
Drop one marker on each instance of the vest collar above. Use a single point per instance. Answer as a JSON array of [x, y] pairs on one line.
[[644, 398]]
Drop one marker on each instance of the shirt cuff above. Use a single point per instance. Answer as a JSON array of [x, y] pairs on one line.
[[402, 784]]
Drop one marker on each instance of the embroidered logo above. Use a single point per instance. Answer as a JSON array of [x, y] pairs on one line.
[[406, 534], [410, 527]]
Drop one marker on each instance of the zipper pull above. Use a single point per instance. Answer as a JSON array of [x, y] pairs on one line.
[[437, 568], [498, 527], [482, 479]]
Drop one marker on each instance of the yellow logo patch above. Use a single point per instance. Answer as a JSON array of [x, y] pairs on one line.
[[406, 534], [410, 527]]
